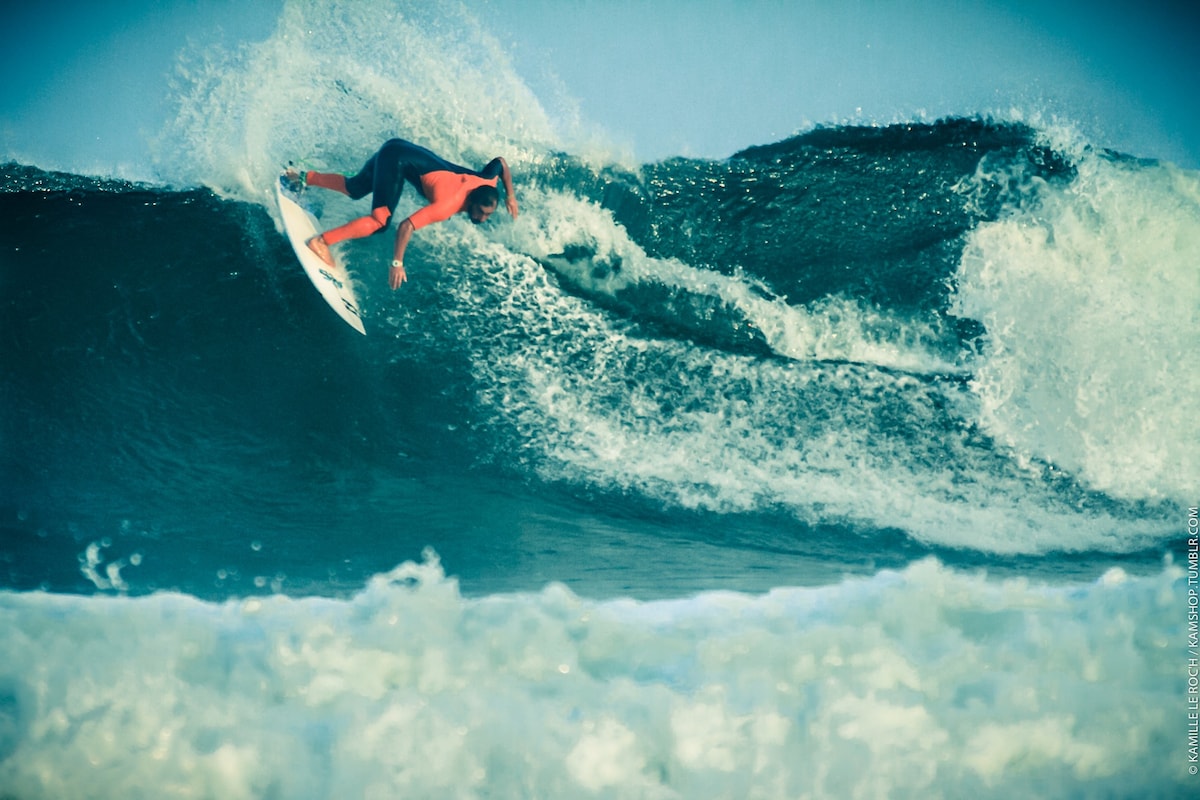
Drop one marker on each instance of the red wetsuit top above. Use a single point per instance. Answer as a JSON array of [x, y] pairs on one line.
[[447, 193]]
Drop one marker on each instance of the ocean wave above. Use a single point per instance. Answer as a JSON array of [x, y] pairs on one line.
[[589, 358], [877, 328], [911, 683]]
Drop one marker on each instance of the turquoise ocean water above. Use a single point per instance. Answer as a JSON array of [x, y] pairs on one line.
[[858, 464]]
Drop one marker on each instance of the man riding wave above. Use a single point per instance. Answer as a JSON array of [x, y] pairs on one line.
[[450, 189]]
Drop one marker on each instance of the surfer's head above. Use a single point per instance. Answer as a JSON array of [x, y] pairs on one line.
[[481, 202]]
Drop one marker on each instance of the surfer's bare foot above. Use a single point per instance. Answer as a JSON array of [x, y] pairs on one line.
[[318, 246]]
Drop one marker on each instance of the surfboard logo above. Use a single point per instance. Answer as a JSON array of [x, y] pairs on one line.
[[329, 277]]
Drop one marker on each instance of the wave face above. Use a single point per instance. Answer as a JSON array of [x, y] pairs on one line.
[[886, 429], [950, 389]]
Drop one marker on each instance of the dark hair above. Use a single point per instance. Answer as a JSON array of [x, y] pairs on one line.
[[484, 196]]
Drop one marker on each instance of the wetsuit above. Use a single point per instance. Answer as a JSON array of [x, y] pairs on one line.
[[443, 184]]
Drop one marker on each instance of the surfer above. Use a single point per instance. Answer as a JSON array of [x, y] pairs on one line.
[[449, 188]]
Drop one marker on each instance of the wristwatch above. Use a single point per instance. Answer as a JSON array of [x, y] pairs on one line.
[[397, 264]]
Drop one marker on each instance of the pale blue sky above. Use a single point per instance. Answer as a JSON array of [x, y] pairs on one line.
[[85, 85], [711, 77]]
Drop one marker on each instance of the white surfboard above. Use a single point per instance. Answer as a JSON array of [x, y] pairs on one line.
[[334, 282]]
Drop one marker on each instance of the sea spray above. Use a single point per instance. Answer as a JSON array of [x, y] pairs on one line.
[[332, 83]]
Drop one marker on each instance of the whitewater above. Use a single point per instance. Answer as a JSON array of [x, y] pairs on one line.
[[858, 464]]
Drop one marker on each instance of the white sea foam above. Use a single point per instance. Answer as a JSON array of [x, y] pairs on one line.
[[836, 328], [926, 682], [1091, 298]]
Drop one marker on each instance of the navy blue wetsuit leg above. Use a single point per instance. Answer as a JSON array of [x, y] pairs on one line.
[[380, 177], [397, 161]]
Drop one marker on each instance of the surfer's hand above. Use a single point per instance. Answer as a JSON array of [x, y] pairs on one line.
[[511, 203], [397, 275]]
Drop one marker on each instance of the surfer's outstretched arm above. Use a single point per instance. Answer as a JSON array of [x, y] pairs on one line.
[[397, 275], [510, 196]]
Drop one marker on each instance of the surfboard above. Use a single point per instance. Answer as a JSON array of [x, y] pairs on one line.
[[334, 282]]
